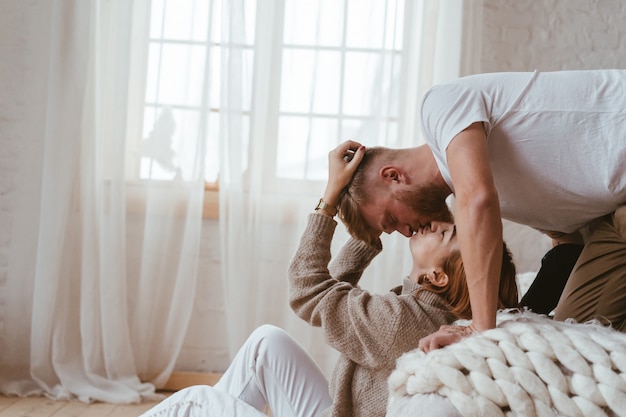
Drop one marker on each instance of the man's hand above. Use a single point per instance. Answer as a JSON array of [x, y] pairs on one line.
[[342, 162], [446, 335]]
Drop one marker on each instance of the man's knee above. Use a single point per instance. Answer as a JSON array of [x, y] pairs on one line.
[[596, 290]]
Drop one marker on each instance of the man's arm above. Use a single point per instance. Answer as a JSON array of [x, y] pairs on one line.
[[478, 221], [479, 229]]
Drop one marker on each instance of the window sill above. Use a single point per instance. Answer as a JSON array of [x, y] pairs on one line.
[[211, 204], [137, 198]]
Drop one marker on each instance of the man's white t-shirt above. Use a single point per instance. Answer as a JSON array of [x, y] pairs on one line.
[[556, 140]]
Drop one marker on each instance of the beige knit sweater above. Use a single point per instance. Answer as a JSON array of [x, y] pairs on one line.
[[370, 331]]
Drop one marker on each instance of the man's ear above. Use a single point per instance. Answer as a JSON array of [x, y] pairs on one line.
[[438, 278], [390, 173]]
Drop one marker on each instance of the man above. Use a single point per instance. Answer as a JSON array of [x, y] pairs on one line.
[[547, 150]]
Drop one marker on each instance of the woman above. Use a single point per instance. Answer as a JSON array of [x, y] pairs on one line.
[[370, 331]]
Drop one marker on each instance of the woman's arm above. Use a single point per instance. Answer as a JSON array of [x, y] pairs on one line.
[[370, 329], [349, 267], [310, 281]]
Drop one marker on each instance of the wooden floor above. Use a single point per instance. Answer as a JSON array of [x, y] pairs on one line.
[[44, 407]]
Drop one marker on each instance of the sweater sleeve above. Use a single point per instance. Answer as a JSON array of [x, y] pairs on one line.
[[310, 280], [370, 329], [352, 259]]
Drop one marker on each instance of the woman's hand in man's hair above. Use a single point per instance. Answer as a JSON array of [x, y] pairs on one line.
[[342, 162]]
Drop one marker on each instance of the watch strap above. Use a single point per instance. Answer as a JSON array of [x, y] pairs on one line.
[[322, 205]]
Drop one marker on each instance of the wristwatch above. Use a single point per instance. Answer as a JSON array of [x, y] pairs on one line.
[[322, 205]]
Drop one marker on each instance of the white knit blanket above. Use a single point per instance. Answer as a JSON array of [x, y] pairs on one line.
[[528, 366]]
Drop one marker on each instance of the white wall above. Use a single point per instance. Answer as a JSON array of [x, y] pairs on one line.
[[510, 35], [548, 35]]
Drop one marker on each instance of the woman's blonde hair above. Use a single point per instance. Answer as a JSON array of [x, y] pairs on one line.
[[456, 292]]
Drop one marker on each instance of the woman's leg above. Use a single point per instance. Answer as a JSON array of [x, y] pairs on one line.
[[202, 401], [272, 369], [557, 264], [597, 287]]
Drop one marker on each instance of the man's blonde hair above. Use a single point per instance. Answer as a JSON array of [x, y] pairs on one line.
[[360, 190]]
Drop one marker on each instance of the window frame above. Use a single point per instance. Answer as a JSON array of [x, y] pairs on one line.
[[138, 102]]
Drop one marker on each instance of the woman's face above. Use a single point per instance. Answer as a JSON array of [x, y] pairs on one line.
[[432, 244]]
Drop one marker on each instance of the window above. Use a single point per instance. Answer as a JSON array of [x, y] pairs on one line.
[[336, 75]]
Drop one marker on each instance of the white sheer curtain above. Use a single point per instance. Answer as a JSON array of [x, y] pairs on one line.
[[97, 275], [94, 293], [396, 49]]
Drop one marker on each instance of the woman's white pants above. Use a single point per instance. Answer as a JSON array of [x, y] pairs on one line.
[[271, 369]]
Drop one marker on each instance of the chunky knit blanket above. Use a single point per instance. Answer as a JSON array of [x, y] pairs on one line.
[[529, 365]]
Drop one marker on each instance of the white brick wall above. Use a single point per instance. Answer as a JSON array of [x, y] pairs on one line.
[[523, 35]]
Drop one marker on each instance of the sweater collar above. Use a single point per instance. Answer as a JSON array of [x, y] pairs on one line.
[[409, 286]]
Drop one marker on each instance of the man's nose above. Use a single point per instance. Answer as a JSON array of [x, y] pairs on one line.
[[406, 230]]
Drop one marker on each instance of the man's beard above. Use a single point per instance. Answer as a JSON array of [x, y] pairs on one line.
[[428, 201]]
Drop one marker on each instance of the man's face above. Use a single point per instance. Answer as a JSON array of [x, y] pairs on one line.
[[406, 210]]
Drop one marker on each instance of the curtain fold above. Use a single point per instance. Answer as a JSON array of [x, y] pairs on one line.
[[242, 162], [107, 301]]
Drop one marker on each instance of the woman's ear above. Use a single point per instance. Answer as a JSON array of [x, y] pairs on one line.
[[438, 278]]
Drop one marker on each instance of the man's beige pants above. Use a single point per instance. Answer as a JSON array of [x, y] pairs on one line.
[[596, 289]]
